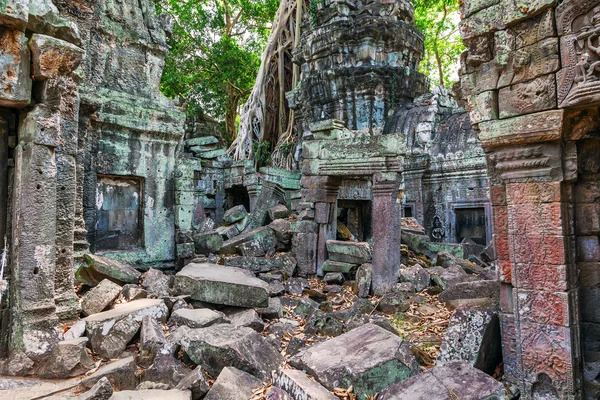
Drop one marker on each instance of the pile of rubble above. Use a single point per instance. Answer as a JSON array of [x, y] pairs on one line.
[[240, 326]]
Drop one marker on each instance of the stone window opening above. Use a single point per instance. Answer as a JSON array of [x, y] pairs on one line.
[[237, 195], [119, 213], [470, 222]]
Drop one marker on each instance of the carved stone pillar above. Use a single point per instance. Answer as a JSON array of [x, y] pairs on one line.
[[534, 238], [386, 232]]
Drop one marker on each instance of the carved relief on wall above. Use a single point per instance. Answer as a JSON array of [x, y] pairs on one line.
[[579, 25]]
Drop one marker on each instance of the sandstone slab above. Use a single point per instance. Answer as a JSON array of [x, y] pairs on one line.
[[233, 384], [222, 285], [299, 386], [224, 345], [120, 373], [263, 236], [349, 252], [152, 394], [98, 268], [455, 380], [100, 297], [195, 382], [369, 358], [69, 358], [111, 331], [197, 318]]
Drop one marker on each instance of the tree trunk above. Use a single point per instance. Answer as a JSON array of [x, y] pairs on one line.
[[438, 60]]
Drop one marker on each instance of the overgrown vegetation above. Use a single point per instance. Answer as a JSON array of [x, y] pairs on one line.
[[438, 21], [215, 53]]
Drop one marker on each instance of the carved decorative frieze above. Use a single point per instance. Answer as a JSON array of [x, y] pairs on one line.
[[534, 161]]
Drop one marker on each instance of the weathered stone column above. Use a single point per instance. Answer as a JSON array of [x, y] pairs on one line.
[[532, 195], [3, 178], [385, 216]]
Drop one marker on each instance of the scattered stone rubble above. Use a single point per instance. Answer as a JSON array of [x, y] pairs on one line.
[[234, 326]]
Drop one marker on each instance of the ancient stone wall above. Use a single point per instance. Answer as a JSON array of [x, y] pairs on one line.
[[79, 106], [531, 81]]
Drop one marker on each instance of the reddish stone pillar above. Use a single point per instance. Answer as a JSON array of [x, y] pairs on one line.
[[385, 216], [531, 195]]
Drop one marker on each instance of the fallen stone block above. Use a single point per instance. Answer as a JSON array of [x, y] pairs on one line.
[[228, 232], [415, 275], [252, 248], [276, 288], [299, 386], [335, 266], [362, 282], [323, 324], [472, 290], [278, 211], [234, 215], [446, 260], [248, 318], [207, 242], [264, 236], [283, 231], [99, 268], [369, 358], [154, 394], [120, 374], [222, 285], [102, 390], [334, 277], [233, 384], [254, 264], [455, 380], [76, 331], [275, 393], [473, 336], [152, 340], [68, 358], [296, 285], [157, 283], [132, 292], [449, 277], [411, 225], [111, 331], [197, 318], [225, 345], [167, 370], [273, 310], [349, 252], [195, 382], [100, 297]]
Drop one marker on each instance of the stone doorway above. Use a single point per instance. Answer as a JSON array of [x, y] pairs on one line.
[[119, 213], [355, 215], [237, 195]]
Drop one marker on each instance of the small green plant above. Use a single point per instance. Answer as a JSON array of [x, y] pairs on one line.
[[313, 9], [262, 153], [286, 148]]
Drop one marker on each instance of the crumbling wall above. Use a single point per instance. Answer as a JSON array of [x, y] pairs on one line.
[[531, 85]]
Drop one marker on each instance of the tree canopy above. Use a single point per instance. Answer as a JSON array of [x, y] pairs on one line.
[[438, 21], [215, 53]]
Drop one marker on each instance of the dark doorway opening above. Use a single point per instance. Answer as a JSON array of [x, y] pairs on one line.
[[119, 213], [355, 216], [471, 224], [237, 195], [408, 212]]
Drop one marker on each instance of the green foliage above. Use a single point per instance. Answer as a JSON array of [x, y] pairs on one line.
[[215, 53], [438, 21], [262, 153]]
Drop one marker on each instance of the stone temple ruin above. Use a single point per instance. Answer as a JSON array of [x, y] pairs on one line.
[[417, 249]]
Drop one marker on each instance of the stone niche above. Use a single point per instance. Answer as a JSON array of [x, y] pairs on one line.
[[119, 213]]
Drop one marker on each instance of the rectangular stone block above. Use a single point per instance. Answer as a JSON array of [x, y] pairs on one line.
[[183, 217], [14, 14], [536, 219], [548, 308], [306, 253], [544, 126], [538, 249], [587, 219], [588, 249], [541, 58], [548, 349], [524, 9], [589, 274], [505, 271], [589, 298], [185, 197], [506, 298], [525, 33], [487, 20], [541, 277], [15, 66], [322, 212], [587, 192], [498, 195], [510, 351], [500, 220], [469, 7], [483, 107], [185, 250], [529, 97], [533, 192]]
